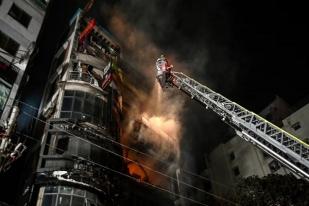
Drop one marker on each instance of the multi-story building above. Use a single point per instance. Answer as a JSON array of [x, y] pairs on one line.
[[20, 23], [237, 158], [82, 109], [80, 162], [296, 123]]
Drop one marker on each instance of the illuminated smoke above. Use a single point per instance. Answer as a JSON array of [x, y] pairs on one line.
[[153, 119], [158, 134]]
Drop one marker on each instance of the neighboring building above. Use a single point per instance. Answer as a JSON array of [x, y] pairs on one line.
[[240, 159], [297, 123], [20, 23]]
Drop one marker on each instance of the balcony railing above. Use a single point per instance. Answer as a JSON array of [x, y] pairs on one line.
[[85, 77]]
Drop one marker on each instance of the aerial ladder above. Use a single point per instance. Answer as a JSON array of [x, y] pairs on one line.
[[279, 144]]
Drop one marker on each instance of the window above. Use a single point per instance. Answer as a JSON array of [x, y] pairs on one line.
[[236, 171], [51, 189], [49, 200], [83, 106], [4, 94], [79, 192], [68, 196], [62, 145], [232, 156], [19, 15], [78, 201], [8, 44], [274, 166], [296, 126], [64, 200]]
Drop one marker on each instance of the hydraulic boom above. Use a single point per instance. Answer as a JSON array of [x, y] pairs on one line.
[[284, 147]]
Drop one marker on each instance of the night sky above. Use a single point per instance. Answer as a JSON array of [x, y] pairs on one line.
[[249, 51]]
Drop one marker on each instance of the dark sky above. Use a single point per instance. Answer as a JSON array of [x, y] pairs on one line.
[[249, 51], [252, 50]]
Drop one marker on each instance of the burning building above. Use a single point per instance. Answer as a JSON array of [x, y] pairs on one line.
[[83, 109]]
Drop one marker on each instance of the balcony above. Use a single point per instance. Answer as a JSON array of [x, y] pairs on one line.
[[85, 77]]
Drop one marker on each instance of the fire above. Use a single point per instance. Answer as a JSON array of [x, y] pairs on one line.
[[137, 171], [152, 120], [156, 131]]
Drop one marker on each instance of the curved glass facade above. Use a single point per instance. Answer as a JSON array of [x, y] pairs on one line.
[[68, 196], [84, 106]]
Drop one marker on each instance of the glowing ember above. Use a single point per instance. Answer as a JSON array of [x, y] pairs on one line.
[[137, 171]]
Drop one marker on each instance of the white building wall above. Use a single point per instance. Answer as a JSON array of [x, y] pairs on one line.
[[250, 160], [298, 123], [22, 35]]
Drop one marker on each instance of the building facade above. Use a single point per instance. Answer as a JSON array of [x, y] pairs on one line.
[[296, 123], [82, 108], [236, 158], [20, 23]]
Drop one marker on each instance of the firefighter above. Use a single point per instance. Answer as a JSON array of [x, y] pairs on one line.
[[163, 70]]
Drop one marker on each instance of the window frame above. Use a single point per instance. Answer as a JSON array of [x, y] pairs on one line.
[[8, 44], [59, 191], [20, 15], [89, 107]]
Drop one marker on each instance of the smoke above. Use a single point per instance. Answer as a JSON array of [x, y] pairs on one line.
[[157, 112], [146, 29], [154, 128]]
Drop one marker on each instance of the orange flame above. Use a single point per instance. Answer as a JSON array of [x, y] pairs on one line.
[[158, 112]]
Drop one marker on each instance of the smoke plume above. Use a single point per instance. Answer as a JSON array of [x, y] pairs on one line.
[[153, 118]]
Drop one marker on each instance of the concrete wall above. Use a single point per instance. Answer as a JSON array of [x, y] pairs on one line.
[[297, 123], [247, 158], [22, 35]]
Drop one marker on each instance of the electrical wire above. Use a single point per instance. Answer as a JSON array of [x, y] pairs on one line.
[[143, 153], [138, 163], [130, 160], [118, 172]]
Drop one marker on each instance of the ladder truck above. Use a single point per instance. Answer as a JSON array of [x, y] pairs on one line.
[[281, 145]]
